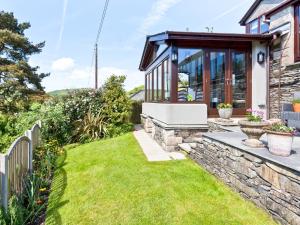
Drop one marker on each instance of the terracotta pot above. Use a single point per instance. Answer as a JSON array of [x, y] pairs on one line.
[[254, 131], [280, 143], [296, 107], [225, 113]]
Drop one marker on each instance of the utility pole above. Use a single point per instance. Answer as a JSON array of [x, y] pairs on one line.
[[96, 66]]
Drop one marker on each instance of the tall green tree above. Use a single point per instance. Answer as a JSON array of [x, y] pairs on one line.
[[116, 103], [18, 80]]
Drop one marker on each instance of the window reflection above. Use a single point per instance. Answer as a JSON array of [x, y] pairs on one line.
[[167, 81], [190, 74], [155, 85], [159, 83], [239, 80], [254, 27], [217, 78]]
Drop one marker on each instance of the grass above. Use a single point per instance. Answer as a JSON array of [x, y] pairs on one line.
[[111, 182]]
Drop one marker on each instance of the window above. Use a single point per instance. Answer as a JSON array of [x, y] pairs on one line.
[[167, 81], [239, 79], [258, 26], [159, 83], [150, 87], [160, 49], [254, 27], [264, 27], [190, 74], [146, 87], [297, 33], [155, 85]]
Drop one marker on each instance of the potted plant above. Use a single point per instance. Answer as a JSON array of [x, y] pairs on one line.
[[280, 139], [296, 105], [253, 126], [225, 110]]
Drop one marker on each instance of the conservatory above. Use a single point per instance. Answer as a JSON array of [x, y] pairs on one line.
[[188, 74]]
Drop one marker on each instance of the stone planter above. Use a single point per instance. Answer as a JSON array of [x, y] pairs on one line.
[[254, 131], [280, 143], [225, 113]]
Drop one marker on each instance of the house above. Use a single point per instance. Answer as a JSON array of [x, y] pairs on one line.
[[187, 74], [138, 96]]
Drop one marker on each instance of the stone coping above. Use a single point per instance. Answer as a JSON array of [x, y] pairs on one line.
[[180, 126], [234, 139]]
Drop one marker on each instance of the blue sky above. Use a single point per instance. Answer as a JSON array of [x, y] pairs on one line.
[[69, 28]]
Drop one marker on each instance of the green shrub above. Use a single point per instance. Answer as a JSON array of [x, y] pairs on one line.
[[91, 127], [136, 111], [78, 103], [56, 125], [296, 101], [224, 106], [116, 104]]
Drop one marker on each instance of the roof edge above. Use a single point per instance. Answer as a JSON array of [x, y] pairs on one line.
[[249, 12]]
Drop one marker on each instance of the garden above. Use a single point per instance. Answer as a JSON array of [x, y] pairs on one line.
[[111, 182], [81, 116]]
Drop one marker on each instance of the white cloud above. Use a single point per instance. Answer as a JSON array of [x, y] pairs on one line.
[[65, 74], [157, 12], [63, 64], [80, 74]]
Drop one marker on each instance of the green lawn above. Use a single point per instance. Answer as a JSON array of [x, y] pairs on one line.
[[111, 182]]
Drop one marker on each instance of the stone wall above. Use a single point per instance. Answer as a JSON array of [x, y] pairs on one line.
[[272, 187], [169, 138], [289, 83]]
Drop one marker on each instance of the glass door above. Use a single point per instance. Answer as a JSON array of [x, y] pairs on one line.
[[238, 82], [217, 80], [228, 80]]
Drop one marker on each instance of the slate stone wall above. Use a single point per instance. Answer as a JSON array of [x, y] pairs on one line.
[[289, 83], [272, 187]]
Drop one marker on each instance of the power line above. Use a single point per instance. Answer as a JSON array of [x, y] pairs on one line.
[[102, 21], [97, 40]]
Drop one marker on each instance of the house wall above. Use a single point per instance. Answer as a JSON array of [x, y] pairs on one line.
[[259, 79], [289, 82], [283, 21], [263, 7]]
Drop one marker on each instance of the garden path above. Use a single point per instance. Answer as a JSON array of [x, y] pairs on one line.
[[152, 150]]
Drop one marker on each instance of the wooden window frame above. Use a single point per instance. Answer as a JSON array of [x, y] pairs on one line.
[[296, 33]]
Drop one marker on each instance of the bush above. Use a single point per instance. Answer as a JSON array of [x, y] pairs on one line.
[[92, 127], [116, 103], [78, 103], [136, 111]]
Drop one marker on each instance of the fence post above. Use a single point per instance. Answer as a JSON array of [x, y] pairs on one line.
[[4, 180], [28, 133]]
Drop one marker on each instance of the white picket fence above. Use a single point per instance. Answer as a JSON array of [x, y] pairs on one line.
[[17, 163]]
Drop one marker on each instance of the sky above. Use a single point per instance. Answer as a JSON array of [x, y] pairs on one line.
[[69, 28]]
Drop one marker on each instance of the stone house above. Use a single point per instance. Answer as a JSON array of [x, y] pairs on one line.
[[187, 74]]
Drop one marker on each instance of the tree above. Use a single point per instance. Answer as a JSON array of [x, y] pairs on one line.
[[18, 80], [116, 103]]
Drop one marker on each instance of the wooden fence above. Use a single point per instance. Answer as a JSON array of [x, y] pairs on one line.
[[16, 164]]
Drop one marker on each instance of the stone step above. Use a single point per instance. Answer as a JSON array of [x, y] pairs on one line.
[[197, 140], [176, 155], [186, 147]]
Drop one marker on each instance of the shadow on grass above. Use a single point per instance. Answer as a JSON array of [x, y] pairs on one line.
[[57, 190]]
